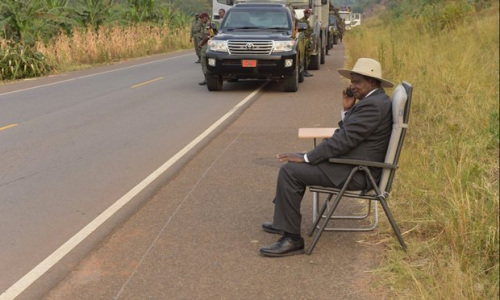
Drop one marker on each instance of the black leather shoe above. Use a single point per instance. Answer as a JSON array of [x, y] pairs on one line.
[[307, 74], [204, 82], [285, 246], [268, 227]]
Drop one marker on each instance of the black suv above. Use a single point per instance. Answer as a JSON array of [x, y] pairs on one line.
[[257, 41]]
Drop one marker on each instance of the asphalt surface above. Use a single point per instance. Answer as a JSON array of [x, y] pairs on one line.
[[82, 140], [198, 237]]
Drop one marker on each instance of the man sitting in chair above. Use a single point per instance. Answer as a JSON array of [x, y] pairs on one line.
[[363, 133]]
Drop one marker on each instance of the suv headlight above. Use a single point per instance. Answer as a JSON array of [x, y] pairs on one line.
[[283, 46], [218, 46]]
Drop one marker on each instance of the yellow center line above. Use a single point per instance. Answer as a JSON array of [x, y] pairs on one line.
[[147, 82], [8, 126]]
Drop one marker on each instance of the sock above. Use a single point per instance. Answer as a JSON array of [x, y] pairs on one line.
[[294, 237]]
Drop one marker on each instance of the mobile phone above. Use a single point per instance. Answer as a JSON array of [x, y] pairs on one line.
[[349, 92]]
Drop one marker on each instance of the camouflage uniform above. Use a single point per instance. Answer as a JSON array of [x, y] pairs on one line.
[[308, 37], [207, 32], [204, 47], [340, 23], [195, 29]]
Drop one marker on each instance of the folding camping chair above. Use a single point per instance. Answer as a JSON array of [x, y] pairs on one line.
[[401, 100]]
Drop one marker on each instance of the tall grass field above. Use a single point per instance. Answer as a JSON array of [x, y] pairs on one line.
[[445, 196], [110, 44]]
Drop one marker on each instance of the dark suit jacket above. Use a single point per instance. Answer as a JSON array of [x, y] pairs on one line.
[[363, 134]]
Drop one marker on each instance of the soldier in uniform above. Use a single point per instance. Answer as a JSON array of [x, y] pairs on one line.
[[308, 35], [340, 23], [206, 34], [195, 29]]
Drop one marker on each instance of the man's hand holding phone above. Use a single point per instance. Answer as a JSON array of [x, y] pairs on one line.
[[348, 98]]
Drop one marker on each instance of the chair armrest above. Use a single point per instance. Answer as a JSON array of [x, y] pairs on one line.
[[358, 162]]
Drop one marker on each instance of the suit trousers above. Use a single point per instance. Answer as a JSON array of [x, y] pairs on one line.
[[293, 179]]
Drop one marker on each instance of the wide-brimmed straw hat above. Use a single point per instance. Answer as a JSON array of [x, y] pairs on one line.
[[367, 67]]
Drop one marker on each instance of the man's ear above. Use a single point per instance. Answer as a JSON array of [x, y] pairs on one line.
[[375, 83]]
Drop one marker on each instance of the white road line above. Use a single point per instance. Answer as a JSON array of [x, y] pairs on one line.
[[90, 75], [17, 288]]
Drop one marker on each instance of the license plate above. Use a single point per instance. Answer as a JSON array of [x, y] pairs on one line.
[[249, 63]]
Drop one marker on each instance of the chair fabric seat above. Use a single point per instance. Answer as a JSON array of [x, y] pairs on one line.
[[371, 194]]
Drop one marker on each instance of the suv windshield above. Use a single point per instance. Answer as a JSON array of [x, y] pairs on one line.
[[256, 19]]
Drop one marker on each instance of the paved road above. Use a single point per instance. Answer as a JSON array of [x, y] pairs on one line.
[[72, 145], [198, 236]]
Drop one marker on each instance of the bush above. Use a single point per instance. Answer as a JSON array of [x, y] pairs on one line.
[[21, 61]]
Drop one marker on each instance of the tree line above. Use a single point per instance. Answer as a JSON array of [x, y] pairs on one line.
[[27, 21]]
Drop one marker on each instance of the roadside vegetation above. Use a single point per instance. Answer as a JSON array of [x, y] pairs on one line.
[[38, 37], [445, 198]]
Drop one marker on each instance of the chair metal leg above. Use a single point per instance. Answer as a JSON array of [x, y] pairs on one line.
[[323, 225], [393, 223], [329, 214], [369, 227], [323, 209], [331, 209], [383, 202]]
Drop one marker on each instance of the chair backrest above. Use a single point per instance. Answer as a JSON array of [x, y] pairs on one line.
[[401, 100]]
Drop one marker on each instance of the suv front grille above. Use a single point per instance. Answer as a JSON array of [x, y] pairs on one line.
[[250, 47]]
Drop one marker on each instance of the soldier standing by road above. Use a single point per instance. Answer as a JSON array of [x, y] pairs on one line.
[[206, 33], [308, 36], [340, 23], [195, 29]]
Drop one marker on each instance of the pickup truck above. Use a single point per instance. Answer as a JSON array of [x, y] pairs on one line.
[[257, 41]]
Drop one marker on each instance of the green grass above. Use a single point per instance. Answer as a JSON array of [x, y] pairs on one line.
[[446, 192]]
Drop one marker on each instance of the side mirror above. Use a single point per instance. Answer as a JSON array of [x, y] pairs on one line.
[[301, 26]]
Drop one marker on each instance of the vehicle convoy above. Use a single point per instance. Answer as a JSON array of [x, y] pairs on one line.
[[355, 19], [319, 22], [257, 40], [335, 28], [346, 14]]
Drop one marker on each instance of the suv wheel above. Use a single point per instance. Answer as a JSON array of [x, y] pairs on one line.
[[214, 82], [291, 84], [323, 55], [314, 59]]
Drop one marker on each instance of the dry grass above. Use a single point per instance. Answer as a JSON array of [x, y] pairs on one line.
[[446, 191], [111, 44]]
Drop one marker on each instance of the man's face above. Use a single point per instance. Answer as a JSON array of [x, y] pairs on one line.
[[307, 14], [204, 20], [221, 14], [361, 86]]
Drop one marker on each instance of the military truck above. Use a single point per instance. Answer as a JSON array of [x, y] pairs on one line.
[[319, 22], [346, 15], [335, 29]]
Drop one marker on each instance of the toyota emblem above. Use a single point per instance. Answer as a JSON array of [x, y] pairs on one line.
[[249, 46]]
